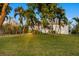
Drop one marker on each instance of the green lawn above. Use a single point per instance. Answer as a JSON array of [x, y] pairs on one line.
[[39, 45]]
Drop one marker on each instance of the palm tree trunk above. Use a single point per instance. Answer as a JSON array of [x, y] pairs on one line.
[[32, 25], [59, 26], [3, 14], [56, 27]]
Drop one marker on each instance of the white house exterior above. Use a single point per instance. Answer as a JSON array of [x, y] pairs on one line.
[[63, 30], [55, 27]]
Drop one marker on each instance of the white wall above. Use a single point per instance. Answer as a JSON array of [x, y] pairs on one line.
[[64, 29]]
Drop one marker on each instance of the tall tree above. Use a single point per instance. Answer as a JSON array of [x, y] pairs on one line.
[[60, 14], [77, 26], [31, 15], [3, 13], [19, 11], [46, 10], [5, 9]]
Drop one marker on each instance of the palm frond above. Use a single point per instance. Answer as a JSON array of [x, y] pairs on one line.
[[16, 15]]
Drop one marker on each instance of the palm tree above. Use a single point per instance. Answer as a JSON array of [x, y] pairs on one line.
[[77, 26], [52, 14], [3, 13], [5, 9], [76, 19], [69, 24], [31, 16], [43, 10], [19, 11], [60, 14]]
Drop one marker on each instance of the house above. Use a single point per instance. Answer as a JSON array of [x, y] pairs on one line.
[[61, 30], [53, 25]]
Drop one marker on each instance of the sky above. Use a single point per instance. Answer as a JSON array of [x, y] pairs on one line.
[[71, 9]]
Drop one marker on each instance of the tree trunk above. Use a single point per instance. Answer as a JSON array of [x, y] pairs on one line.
[[2, 16], [59, 26]]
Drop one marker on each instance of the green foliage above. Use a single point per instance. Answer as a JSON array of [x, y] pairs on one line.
[[31, 16], [8, 9], [77, 25], [76, 19], [44, 22], [19, 11]]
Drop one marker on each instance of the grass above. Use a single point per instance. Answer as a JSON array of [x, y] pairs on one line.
[[39, 45]]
